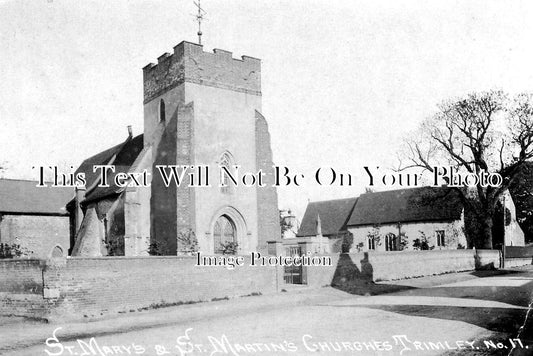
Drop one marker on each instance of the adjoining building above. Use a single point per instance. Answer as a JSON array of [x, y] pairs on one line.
[[35, 218], [99, 212], [405, 219], [325, 225]]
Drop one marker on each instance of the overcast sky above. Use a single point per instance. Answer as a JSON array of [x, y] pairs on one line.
[[342, 81]]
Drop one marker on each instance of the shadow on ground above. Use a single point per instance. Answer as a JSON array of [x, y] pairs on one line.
[[495, 319], [354, 280], [513, 291]]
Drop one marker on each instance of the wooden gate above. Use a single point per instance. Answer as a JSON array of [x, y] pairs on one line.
[[293, 274]]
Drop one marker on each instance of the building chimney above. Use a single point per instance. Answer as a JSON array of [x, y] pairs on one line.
[[130, 132]]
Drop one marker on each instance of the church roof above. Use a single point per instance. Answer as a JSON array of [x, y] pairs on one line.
[[24, 197], [407, 205], [98, 159], [404, 205], [333, 216], [122, 156]]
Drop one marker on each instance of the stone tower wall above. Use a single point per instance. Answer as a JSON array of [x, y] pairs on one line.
[[211, 100]]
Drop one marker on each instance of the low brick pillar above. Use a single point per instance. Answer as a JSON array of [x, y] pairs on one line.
[[305, 247], [275, 248], [52, 274]]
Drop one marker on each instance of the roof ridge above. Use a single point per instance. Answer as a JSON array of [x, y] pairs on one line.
[[29, 181], [406, 189], [329, 200], [119, 147], [22, 180], [113, 146]]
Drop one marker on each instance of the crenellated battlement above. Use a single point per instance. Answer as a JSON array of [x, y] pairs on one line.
[[189, 63]]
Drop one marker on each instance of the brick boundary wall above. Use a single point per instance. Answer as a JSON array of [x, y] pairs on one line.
[[20, 276], [516, 256], [518, 251], [518, 262], [76, 288], [385, 266], [21, 287]]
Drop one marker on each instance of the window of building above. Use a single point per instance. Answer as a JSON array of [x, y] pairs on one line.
[[106, 232], [371, 243], [226, 161], [390, 242], [440, 236], [223, 233], [162, 115]]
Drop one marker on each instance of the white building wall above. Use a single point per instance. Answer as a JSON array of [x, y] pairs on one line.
[[454, 235], [514, 236]]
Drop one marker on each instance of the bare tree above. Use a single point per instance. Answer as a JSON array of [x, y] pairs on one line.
[[483, 132]]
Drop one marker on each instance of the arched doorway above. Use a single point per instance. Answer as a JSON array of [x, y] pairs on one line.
[[224, 232], [228, 225]]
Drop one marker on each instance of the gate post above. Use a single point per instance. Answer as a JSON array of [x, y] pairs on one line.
[[275, 248], [305, 246]]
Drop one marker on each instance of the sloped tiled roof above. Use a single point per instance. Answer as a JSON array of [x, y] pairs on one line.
[[404, 205], [125, 155], [407, 205], [333, 216], [99, 159], [24, 197]]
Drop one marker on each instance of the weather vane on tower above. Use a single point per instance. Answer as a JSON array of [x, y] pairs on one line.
[[199, 17]]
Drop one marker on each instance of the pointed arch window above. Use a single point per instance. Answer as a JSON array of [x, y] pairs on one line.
[[371, 243], [223, 233], [162, 115], [440, 236], [226, 184], [391, 242]]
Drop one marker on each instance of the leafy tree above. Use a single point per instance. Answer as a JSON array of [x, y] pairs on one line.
[[422, 243], [283, 222], [13, 250], [403, 241], [115, 247], [187, 242], [229, 247], [482, 132], [158, 248], [288, 222], [359, 247]]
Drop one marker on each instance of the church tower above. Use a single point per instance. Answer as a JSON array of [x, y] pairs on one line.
[[204, 108]]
